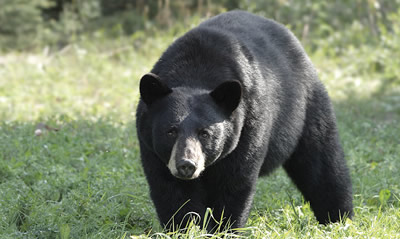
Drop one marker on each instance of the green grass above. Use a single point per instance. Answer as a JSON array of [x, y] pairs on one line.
[[82, 178]]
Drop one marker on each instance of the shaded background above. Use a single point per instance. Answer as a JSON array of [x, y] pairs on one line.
[[32, 23]]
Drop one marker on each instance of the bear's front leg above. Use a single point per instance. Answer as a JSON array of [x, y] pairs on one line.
[[177, 201], [232, 208], [230, 196]]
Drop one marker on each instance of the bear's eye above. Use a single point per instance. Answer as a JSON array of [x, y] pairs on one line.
[[172, 132], [204, 134]]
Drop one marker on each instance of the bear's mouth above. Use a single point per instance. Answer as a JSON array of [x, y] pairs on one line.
[[186, 179]]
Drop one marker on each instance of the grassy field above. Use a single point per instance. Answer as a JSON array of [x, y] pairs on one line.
[[69, 157]]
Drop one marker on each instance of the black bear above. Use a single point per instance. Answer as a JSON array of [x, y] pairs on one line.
[[229, 101]]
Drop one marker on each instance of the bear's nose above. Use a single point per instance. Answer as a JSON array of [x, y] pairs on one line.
[[186, 168]]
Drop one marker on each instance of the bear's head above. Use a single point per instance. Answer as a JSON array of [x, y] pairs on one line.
[[190, 128]]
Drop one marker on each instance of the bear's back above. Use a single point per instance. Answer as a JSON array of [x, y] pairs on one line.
[[237, 42], [266, 39]]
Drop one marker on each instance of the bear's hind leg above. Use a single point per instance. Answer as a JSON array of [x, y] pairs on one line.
[[318, 167]]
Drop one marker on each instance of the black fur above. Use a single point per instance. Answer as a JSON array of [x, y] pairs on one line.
[[247, 82]]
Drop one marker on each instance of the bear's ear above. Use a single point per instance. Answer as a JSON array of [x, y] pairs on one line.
[[228, 95], [151, 88]]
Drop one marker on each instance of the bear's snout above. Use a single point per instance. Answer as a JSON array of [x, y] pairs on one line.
[[187, 159], [186, 168]]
